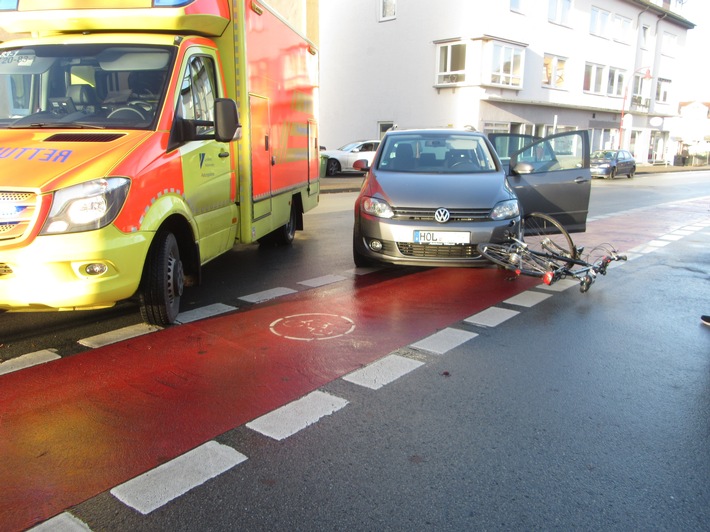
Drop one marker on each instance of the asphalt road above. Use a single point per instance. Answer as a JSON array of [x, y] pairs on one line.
[[581, 411]]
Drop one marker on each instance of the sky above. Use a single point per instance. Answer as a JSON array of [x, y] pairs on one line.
[[696, 71]]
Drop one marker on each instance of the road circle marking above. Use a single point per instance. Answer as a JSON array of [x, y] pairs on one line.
[[313, 326]]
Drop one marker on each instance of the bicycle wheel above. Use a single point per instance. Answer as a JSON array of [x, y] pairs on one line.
[[549, 241], [514, 257]]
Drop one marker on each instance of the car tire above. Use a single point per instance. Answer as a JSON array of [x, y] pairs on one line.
[[612, 173], [332, 167], [632, 173]]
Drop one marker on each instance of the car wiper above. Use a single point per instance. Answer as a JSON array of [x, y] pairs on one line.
[[56, 125]]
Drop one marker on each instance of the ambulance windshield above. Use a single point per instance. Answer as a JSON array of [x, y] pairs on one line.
[[75, 86]]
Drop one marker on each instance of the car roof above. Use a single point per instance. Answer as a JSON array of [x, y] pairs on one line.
[[436, 131]]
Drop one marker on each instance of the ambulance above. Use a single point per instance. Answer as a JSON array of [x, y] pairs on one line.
[[140, 141]]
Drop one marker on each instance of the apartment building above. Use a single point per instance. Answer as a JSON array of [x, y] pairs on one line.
[[521, 66]]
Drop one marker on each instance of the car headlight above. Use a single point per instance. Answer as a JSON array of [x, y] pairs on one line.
[[377, 207], [505, 209], [87, 206]]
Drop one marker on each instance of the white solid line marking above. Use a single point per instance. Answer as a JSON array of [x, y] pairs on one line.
[[119, 335], [28, 360], [159, 486], [322, 281], [491, 317], [445, 340], [204, 312], [64, 522], [260, 297], [293, 417], [382, 372], [527, 299]]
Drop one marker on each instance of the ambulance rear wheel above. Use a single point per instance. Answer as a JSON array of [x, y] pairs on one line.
[[284, 235], [163, 281]]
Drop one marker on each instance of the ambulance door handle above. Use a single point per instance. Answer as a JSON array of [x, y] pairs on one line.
[[224, 154], [273, 160]]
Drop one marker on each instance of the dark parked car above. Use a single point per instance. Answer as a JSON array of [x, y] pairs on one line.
[[610, 163], [432, 195]]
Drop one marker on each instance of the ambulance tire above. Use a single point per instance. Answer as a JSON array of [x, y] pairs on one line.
[[284, 235], [163, 281]]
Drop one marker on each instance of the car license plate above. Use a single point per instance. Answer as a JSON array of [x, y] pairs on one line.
[[442, 238]]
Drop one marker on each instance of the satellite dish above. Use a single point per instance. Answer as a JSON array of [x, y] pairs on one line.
[[656, 121]]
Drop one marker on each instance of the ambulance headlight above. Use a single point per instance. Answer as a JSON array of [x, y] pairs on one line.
[[87, 206]]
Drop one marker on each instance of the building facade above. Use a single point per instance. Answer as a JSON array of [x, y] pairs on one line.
[[521, 66]]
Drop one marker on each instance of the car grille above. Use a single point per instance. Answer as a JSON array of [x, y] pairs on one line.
[[17, 210], [426, 251], [457, 215]]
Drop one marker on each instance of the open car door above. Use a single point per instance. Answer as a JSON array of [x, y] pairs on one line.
[[550, 175]]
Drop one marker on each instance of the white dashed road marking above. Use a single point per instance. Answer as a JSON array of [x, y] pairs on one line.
[[260, 297], [161, 485], [293, 417], [382, 372], [491, 317], [65, 522], [445, 340], [322, 281], [204, 312], [119, 335], [28, 360], [527, 299]]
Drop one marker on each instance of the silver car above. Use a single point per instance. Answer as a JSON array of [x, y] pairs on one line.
[[432, 195]]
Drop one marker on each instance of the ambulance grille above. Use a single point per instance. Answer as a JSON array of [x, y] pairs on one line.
[[84, 137], [17, 210]]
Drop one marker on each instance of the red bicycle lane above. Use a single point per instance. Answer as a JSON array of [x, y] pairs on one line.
[[76, 427]]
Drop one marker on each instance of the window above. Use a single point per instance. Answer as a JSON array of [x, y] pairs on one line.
[[670, 44], [599, 22], [553, 72], [388, 10], [622, 29], [558, 11], [662, 88], [452, 64], [644, 37], [384, 127], [615, 81], [506, 65], [197, 93], [516, 5], [593, 75]]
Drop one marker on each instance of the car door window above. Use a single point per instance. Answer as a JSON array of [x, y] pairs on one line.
[[197, 93]]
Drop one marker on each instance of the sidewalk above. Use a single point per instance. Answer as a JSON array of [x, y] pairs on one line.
[[353, 182]]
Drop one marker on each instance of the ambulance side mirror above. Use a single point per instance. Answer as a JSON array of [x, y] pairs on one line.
[[226, 120]]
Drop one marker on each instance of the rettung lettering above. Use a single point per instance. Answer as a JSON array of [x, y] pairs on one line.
[[44, 155]]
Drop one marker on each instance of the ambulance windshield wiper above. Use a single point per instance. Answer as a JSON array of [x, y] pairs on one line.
[[56, 125]]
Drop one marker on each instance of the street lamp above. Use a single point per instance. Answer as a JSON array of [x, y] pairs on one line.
[[647, 75]]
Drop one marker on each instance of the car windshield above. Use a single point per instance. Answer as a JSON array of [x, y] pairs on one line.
[[446, 153], [348, 146], [82, 86], [603, 155]]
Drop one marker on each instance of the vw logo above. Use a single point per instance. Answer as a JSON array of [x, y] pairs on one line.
[[441, 215]]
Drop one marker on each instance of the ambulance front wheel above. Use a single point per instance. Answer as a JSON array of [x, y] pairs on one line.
[[163, 281]]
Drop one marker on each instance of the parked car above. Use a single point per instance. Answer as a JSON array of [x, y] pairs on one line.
[[431, 195], [342, 159], [610, 163]]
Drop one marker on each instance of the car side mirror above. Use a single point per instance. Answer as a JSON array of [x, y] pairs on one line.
[[362, 165], [523, 168]]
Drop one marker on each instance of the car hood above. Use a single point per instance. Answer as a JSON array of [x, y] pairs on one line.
[[43, 160], [480, 191], [333, 153]]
